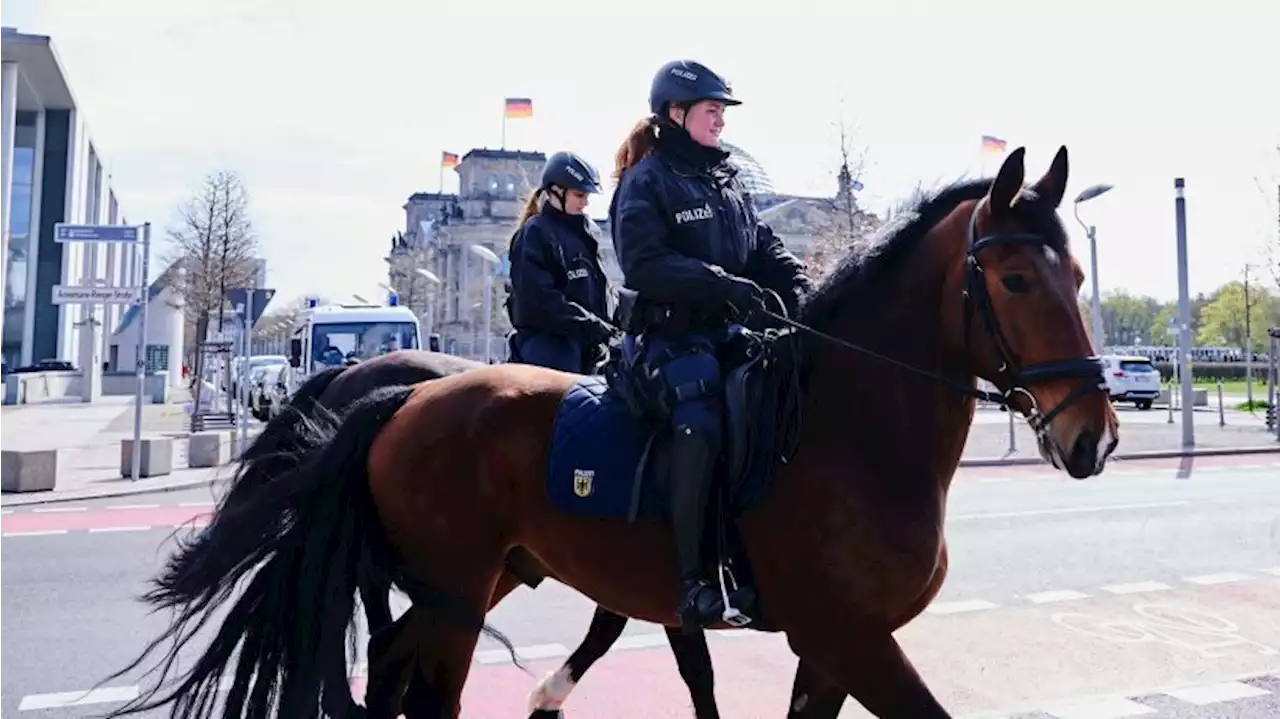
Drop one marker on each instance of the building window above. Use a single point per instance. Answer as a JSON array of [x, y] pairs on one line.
[[17, 263], [157, 358]]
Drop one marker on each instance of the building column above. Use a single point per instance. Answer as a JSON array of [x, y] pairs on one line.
[[8, 127], [33, 247]]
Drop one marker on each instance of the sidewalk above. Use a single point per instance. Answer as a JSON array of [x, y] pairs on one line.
[[88, 439], [1143, 434]]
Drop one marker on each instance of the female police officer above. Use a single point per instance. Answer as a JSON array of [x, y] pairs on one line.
[[690, 246], [558, 295]]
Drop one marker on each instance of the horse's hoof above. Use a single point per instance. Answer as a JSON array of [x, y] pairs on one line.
[[547, 714]]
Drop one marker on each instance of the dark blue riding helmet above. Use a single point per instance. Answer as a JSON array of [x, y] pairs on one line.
[[686, 81], [568, 170]]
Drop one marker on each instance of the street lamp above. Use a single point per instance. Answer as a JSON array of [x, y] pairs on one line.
[[1096, 305], [487, 255], [431, 278]]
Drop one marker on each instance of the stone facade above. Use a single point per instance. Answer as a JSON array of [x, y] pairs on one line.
[[439, 228]]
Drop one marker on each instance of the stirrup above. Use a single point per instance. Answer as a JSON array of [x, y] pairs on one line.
[[730, 615]]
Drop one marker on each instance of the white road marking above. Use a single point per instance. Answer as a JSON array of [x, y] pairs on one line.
[[57, 510], [1136, 587], [195, 504], [1058, 595], [536, 651], [105, 530], [1064, 510], [1224, 578], [83, 697], [134, 506], [1215, 693], [641, 641], [970, 605], [41, 533], [1117, 708], [1271, 570]]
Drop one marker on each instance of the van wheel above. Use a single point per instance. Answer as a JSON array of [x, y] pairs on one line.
[[1143, 404]]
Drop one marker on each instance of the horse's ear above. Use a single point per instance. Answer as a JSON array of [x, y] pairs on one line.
[[1053, 185], [1008, 182]]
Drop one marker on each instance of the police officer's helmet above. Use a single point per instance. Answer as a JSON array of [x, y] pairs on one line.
[[686, 81], [570, 171]]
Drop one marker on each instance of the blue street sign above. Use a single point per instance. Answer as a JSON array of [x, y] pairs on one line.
[[239, 297], [64, 232]]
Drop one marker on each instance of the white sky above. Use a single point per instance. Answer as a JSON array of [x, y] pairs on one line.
[[335, 112]]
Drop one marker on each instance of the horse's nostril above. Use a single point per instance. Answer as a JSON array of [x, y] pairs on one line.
[[1084, 455]]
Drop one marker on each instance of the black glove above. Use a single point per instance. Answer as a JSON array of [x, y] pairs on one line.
[[603, 332], [744, 296]]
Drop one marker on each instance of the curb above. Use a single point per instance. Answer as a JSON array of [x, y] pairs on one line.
[[1127, 456], [121, 491]]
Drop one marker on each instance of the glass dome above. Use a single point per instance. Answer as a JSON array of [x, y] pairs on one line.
[[750, 172]]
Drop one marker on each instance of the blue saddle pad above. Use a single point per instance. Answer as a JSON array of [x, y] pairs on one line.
[[596, 447]]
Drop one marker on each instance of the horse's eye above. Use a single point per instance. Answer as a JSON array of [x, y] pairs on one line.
[[1016, 284]]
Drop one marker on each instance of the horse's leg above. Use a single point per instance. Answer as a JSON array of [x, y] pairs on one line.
[[866, 662], [550, 694], [694, 660], [421, 700], [812, 697]]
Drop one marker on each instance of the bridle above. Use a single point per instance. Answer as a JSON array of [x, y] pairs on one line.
[[1013, 377]]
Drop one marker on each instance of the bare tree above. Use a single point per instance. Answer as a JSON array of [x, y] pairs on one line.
[[214, 240], [1269, 191], [845, 222]]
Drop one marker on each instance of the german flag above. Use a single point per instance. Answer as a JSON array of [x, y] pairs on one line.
[[519, 107], [993, 144], [448, 160]]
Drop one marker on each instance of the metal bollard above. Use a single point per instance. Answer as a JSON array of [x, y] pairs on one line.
[[1170, 403], [1222, 416], [1013, 441]]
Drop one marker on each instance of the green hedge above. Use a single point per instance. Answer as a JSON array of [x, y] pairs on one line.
[[1215, 370]]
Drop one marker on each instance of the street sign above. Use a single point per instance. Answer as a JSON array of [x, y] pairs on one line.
[[92, 295], [64, 232], [239, 298]]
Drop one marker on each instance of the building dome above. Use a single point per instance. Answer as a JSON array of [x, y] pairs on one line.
[[750, 172]]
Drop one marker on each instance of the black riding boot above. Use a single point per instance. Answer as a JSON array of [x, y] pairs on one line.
[[692, 464]]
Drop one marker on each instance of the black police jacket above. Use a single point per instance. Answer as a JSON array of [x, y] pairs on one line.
[[558, 284], [682, 224]]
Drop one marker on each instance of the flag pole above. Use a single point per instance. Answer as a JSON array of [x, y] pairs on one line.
[[440, 183], [504, 126]]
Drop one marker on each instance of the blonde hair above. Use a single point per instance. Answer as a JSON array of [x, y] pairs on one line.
[[531, 207]]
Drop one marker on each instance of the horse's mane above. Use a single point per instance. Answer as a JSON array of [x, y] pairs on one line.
[[859, 276]]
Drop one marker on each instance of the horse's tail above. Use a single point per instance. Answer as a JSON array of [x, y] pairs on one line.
[[280, 434], [289, 623]]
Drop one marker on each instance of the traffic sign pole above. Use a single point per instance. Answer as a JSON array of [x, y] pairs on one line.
[[140, 365], [249, 303], [246, 343]]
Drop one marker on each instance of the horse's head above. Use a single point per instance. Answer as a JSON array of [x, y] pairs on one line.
[[1022, 329]]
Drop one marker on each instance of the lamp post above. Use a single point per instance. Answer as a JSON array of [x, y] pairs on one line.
[[492, 260], [1095, 304], [428, 308]]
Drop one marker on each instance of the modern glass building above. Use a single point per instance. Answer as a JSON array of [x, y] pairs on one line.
[[750, 171], [52, 172]]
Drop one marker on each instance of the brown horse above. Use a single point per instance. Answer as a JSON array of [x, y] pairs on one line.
[[844, 547], [277, 449]]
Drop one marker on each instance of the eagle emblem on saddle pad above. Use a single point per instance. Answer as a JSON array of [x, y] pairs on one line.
[[582, 481]]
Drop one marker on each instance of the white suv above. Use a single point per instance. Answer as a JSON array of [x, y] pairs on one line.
[[1132, 379]]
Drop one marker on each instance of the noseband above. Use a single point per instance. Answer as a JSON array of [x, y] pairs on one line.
[[1013, 377]]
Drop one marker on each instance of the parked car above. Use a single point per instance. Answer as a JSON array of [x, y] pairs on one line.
[[1131, 378], [265, 386]]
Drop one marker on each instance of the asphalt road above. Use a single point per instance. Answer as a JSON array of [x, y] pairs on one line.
[[1152, 591]]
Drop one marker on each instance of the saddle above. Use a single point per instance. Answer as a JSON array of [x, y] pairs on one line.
[[761, 414]]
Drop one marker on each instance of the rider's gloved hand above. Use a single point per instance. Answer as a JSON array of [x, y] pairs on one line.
[[603, 332], [744, 296]]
